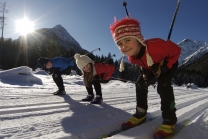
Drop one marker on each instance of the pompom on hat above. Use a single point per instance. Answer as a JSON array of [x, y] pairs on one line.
[[82, 60], [129, 27]]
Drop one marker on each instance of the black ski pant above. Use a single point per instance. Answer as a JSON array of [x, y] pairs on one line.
[[164, 89], [57, 77], [97, 87]]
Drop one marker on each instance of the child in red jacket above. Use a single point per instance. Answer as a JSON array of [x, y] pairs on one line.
[[93, 74], [156, 58]]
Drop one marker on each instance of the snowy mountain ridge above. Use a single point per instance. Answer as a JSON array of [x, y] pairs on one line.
[[57, 33], [191, 51]]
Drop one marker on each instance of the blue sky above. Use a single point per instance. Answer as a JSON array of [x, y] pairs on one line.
[[88, 21]]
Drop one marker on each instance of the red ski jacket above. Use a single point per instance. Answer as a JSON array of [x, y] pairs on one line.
[[104, 71], [158, 49]]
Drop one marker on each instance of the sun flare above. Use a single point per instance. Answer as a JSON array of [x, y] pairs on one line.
[[24, 26]]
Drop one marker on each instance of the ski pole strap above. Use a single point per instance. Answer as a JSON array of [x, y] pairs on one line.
[[159, 70]]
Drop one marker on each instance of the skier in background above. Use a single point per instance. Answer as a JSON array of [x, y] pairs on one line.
[[156, 58], [94, 73], [57, 66]]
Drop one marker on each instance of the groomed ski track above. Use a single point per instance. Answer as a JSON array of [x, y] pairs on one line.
[[42, 115]]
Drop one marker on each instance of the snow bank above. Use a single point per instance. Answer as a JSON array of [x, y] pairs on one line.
[[19, 76]]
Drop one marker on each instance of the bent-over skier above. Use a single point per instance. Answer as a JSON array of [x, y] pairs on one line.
[[94, 73], [57, 66], [156, 58]]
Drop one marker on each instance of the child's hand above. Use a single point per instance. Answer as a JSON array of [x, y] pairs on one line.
[[145, 77], [97, 78], [159, 69], [104, 81], [146, 73], [164, 68], [156, 69], [52, 70]]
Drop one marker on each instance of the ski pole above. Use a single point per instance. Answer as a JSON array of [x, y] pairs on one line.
[[92, 51], [124, 4], [174, 17], [171, 28], [87, 53], [122, 79], [109, 58]]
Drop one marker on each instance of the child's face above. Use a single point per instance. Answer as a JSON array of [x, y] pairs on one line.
[[49, 65], [87, 68], [129, 46]]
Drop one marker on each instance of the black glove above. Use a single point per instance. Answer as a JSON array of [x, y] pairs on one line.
[[96, 79], [104, 81], [66, 71], [54, 70], [164, 68], [155, 68], [99, 79], [158, 69], [145, 73]]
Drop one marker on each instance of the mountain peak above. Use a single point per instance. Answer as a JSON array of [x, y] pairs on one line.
[[59, 33], [58, 26], [191, 51], [187, 40]]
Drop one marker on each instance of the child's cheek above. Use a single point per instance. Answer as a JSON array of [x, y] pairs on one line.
[[120, 49], [122, 52]]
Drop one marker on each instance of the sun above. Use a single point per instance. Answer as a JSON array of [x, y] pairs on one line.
[[24, 26]]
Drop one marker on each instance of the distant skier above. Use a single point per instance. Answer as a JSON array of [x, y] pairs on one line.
[[57, 66], [157, 58], [94, 73]]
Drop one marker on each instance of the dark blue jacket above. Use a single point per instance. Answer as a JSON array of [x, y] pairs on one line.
[[61, 62]]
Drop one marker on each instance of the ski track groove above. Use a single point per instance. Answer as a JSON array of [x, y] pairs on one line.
[[55, 105], [43, 128], [147, 133]]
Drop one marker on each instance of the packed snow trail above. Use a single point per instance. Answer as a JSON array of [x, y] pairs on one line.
[[146, 130], [33, 112]]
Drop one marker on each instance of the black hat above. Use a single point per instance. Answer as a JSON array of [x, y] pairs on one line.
[[42, 62]]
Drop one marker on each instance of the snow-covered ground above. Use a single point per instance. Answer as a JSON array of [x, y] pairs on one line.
[[28, 109]]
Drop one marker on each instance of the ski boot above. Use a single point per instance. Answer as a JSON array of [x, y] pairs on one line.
[[98, 100], [164, 131], [138, 118], [60, 92], [88, 98]]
